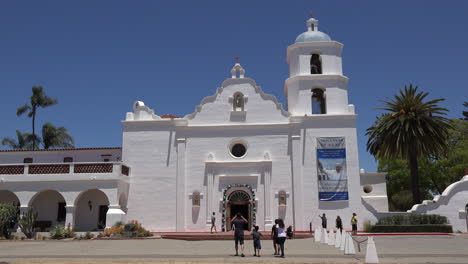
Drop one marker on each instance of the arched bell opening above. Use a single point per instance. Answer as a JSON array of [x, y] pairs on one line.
[[315, 64], [318, 101]]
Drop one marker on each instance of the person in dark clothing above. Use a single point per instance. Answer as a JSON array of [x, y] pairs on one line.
[[256, 241], [274, 237], [239, 222], [339, 224], [289, 232], [324, 220]]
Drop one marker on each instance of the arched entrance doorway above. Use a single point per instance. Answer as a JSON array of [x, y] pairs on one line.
[[239, 202], [50, 208], [91, 210]]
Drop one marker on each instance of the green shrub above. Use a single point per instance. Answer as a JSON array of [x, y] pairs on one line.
[[26, 222], [118, 224], [438, 228], [367, 226], [130, 227], [88, 235], [57, 232], [8, 216], [413, 220]]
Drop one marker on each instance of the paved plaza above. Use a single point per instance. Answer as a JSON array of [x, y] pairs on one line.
[[391, 249]]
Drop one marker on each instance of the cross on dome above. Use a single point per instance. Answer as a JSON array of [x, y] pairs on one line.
[[237, 69]]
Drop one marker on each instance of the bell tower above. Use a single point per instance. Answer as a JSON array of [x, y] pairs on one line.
[[316, 84]]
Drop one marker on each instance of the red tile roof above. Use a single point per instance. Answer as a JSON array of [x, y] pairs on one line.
[[67, 149], [169, 116]]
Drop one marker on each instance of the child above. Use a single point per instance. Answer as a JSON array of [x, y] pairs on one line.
[[289, 232], [256, 241]]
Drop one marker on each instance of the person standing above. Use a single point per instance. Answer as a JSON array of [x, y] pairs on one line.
[[354, 221], [256, 241], [324, 221], [274, 237], [213, 223], [239, 222], [281, 235], [339, 224]]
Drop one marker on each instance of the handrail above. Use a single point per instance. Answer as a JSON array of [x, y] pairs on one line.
[[64, 168]]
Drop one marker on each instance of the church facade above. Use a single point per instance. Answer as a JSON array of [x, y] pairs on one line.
[[240, 151]]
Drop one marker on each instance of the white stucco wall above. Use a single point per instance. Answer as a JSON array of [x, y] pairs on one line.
[[452, 203]]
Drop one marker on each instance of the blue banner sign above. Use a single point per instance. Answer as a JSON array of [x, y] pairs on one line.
[[331, 169]]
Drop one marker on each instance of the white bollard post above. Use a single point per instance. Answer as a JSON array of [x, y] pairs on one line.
[[349, 247], [326, 235], [371, 251], [317, 235], [322, 235], [343, 241], [338, 239], [331, 239]]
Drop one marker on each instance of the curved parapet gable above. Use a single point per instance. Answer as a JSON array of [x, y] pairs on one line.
[[205, 100], [443, 199], [141, 112], [223, 98], [451, 203]]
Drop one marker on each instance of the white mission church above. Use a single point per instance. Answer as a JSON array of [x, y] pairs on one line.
[[240, 151]]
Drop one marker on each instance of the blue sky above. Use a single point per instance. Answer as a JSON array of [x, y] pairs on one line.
[[98, 57]]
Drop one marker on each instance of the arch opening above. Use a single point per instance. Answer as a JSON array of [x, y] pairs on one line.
[[9, 197], [315, 64], [318, 101], [238, 102], [50, 208], [90, 210]]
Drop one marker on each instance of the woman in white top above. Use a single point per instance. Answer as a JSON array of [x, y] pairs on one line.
[[281, 235]]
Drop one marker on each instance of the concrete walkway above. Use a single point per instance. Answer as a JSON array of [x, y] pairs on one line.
[[391, 249]]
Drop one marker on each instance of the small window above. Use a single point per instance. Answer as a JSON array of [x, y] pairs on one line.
[[106, 160], [68, 159], [238, 102], [315, 64], [28, 160], [318, 101], [238, 150]]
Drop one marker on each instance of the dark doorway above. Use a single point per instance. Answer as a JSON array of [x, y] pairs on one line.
[[243, 209], [61, 213], [239, 202], [102, 216]]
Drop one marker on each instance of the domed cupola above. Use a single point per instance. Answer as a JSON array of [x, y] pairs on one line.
[[312, 34]]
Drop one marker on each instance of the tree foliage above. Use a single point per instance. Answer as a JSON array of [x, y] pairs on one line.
[[22, 141], [56, 137], [410, 129], [435, 174], [465, 113], [37, 100]]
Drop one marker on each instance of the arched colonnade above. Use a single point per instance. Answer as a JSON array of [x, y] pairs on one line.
[[85, 211]]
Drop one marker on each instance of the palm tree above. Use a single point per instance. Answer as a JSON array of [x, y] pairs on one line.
[[409, 130], [23, 141], [53, 137], [38, 99]]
